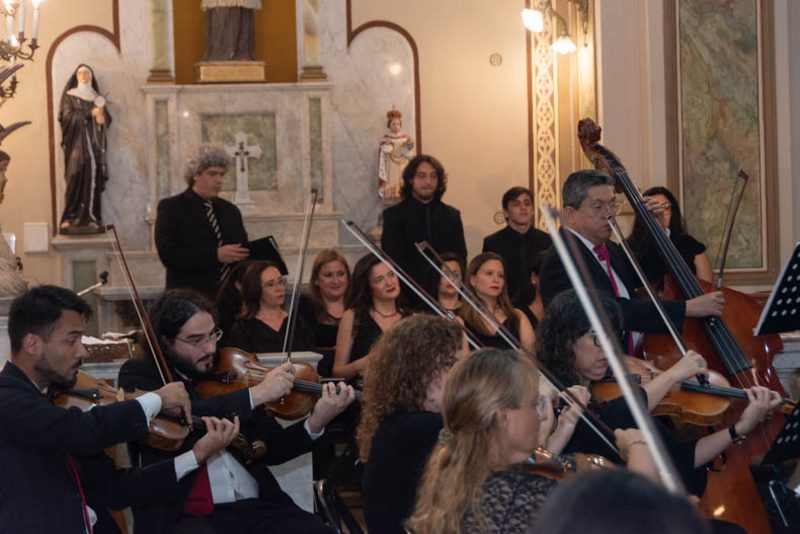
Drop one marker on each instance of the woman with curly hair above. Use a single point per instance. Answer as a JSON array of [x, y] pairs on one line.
[[486, 278], [569, 348], [401, 414], [372, 309], [475, 480]]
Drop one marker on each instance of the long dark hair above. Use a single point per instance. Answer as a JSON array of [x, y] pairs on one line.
[[251, 287], [563, 324], [640, 238], [411, 170], [430, 277], [359, 297], [526, 293]]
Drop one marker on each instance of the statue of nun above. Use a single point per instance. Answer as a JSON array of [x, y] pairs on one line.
[[84, 120], [229, 30]]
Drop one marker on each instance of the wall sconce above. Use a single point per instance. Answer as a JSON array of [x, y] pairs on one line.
[[533, 19]]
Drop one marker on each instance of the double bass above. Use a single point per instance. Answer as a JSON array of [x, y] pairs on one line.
[[727, 343]]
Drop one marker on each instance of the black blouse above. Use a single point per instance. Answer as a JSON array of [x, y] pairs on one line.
[[324, 332], [654, 267], [252, 335]]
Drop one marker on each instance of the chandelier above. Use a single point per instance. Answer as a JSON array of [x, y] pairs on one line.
[[16, 46]]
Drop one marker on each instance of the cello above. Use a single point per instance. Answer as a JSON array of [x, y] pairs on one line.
[[727, 343]]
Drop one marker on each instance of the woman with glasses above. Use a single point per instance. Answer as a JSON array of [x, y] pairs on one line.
[[667, 211], [486, 279], [261, 326], [372, 309], [569, 348]]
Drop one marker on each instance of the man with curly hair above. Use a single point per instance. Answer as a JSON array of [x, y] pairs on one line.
[[198, 234], [401, 416]]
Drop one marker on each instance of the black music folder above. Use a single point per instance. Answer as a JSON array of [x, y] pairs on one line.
[[266, 249]]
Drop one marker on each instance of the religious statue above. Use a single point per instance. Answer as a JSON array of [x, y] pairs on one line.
[[84, 120], [11, 283], [395, 151], [229, 30]]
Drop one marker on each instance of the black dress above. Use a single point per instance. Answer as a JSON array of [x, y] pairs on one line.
[[367, 334], [324, 334], [495, 341], [400, 450], [518, 251], [252, 335], [510, 504], [654, 267], [530, 315]]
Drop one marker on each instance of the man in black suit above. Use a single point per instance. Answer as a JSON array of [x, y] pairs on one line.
[[422, 216], [589, 202], [55, 475], [231, 497], [196, 252], [519, 243]]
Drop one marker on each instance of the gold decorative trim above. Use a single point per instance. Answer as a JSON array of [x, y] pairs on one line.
[[230, 71]]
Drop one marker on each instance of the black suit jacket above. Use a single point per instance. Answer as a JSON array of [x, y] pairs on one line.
[[282, 444], [187, 244], [638, 315], [518, 251], [38, 493], [408, 222]]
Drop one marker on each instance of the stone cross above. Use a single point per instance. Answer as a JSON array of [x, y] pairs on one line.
[[241, 151]]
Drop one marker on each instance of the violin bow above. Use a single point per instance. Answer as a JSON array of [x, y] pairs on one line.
[[588, 417], [141, 313], [412, 284], [288, 339], [733, 208], [573, 263], [673, 330]]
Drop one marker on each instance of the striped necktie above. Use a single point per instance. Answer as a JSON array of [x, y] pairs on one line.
[[212, 219]]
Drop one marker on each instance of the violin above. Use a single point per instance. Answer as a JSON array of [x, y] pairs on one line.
[[238, 369], [558, 467], [167, 430]]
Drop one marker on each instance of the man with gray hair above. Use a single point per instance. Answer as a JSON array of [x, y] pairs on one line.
[[589, 203], [198, 234]]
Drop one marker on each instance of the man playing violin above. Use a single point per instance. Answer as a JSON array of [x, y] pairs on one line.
[[589, 203], [56, 477], [228, 496]]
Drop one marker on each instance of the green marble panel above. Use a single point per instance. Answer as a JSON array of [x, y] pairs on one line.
[[260, 130], [720, 117], [162, 149], [315, 153]]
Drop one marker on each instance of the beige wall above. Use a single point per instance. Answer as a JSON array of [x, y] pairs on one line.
[[473, 115], [28, 195]]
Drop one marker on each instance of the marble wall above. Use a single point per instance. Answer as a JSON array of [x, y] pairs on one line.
[[375, 73]]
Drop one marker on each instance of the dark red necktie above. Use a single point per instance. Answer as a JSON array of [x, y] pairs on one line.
[[602, 254], [200, 503], [74, 469]]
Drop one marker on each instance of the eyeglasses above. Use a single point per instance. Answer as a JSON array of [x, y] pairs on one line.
[[198, 340], [272, 284], [599, 208], [595, 338]]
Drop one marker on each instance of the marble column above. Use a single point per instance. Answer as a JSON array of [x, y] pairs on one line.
[[161, 39], [308, 57]]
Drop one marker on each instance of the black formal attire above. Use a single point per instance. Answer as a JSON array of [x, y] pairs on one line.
[[400, 449], [255, 336], [654, 266], [638, 315], [187, 244], [510, 502], [38, 492], [616, 414], [325, 328], [495, 340], [518, 250], [411, 221], [272, 511]]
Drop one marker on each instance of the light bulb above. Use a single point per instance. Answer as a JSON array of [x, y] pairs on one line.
[[533, 19]]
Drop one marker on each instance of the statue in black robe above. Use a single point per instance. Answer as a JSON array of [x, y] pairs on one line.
[[84, 120]]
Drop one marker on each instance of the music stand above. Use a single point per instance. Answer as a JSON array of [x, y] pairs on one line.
[[782, 312]]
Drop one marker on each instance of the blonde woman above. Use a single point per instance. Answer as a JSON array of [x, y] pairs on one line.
[[474, 480]]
